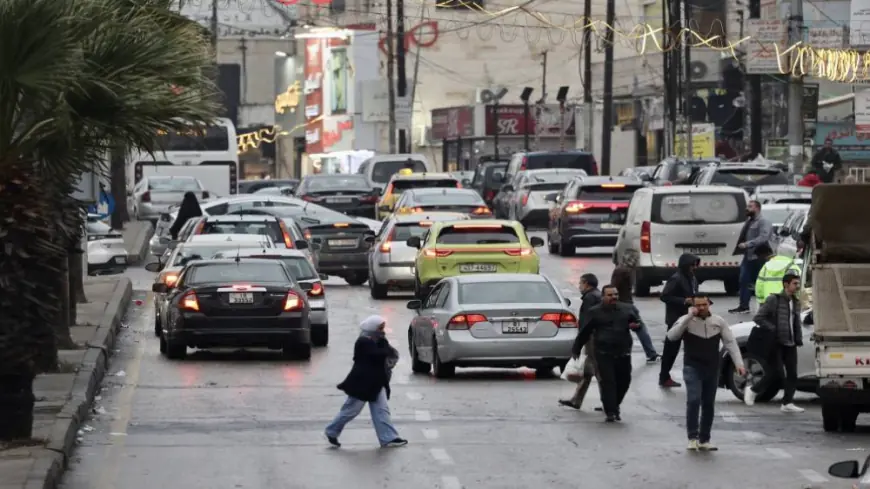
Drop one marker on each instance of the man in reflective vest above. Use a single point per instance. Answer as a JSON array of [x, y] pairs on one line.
[[770, 278]]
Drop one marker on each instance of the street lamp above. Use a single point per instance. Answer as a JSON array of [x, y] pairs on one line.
[[525, 96], [562, 96]]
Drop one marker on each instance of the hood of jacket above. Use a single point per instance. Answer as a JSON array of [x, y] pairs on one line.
[[687, 260]]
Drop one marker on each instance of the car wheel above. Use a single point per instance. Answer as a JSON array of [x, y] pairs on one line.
[[174, 350], [756, 369], [320, 335], [544, 372], [831, 417], [441, 370], [641, 286], [567, 249], [420, 291], [417, 366], [378, 291], [162, 345], [848, 419], [356, 278], [732, 286], [552, 247], [298, 351]]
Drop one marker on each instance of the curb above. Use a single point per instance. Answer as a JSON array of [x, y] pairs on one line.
[[47, 471], [141, 243]]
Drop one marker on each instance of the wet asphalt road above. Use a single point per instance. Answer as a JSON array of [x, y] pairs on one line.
[[227, 420]]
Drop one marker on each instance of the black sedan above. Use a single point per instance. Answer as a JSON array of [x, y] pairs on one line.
[[350, 194], [236, 303]]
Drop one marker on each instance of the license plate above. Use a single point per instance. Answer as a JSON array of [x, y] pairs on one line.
[[702, 251], [607, 225], [342, 242], [477, 268], [514, 328], [242, 298], [120, 260], [339, 200]]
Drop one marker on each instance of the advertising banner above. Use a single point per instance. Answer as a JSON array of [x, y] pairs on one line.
[[703, 142], [851, 145], [859, 24], [543, 121], [339, 68], [452, 123], [375, 101], [313, 89], [761, 55], [248, 19]]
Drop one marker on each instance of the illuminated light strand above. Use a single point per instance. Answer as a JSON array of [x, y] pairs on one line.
[[838, 65], [252, 140]]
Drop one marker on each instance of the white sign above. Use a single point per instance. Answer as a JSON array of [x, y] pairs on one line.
[[760, 51], [255, 19], [403, 112], [375, 101], [862, 112], [859, 23], [826, 37]]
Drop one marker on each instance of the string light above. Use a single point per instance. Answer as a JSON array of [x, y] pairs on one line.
[[838, 65], [252, 140]]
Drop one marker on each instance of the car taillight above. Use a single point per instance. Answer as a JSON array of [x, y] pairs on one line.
[[667, 184], [465, 321], [458, 184], [437, 253], [307, 235], [369, 199], [189, 301], [518, 252], [482, 210], [645, 244], [288, 241], [524, 163], [316, 289], [170, 278], [146, 197], [526, 197], [387, 245], [293, 302], [562, 319], [575, 207]]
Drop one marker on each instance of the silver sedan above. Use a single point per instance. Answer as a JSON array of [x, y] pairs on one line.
[[153, 196], [491, 320]]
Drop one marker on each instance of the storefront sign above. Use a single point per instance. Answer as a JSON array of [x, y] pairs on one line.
[[312, 136], [249, 19], [452, 123], [337, 134], [851, 146], [312, 111], [859, 24], [703, 141], [314, 50], [288, 100], [544, 119]]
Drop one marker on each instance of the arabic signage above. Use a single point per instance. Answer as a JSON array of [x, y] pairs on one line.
[[862, 112], [250, 19], [827, 37], [852, 146], [375, 101], [859, 23], [337, 134], [452, 123], [703, 141], [543, 121], [761, 55], [314, 49]]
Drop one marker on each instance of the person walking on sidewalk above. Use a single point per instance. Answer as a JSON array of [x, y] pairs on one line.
[[623, 280], [677, 295], [702, 332], [756, 231], [591, 297], [369, 382], [780, 314], [608, 325]]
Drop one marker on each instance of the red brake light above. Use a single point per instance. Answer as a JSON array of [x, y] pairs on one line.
[[288, 241], [465, 321], [425, 224], [667, 184], [146, 197], [575, 207], [369, 198], [189, 301], [458, 184], [518, 252], [293, 302], [482, 210], [524, 163], [199, 227], [526, 197], [562, 319], [387, 245], [241, 287], [307, 235], [645, 238], [437, 253], [612, 185], [316, 289]]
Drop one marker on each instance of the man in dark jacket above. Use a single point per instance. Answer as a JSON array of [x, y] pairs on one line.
[[609, 326], [677, 296], [780, 314], [591, 297], [757, 231], [827, 162]]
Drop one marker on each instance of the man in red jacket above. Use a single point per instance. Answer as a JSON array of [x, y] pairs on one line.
[[811, 179]]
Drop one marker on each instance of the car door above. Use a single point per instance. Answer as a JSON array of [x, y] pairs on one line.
[[423, 325], [562, 199]]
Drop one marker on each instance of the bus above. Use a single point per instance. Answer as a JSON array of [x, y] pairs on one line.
[[209, 154]]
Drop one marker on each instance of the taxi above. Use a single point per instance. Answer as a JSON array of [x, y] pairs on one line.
[[467, 247], [405, 180]]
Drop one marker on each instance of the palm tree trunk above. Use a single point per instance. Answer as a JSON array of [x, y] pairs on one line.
[[77, 278], [16, 406], [118, 181], [62, 323]]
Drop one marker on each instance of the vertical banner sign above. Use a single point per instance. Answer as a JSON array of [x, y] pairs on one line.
[[313, 89], [859, 24], [862, 113]]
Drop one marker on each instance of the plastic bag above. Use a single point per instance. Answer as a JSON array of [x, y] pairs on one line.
[[573, 371]]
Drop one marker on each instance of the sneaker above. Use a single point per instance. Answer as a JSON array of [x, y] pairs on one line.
[[568, 403], [749, 396], [332, 440], [670, 383], [693, 445], [599, 409], [618, 417], [707, 447], [739, 310], [397, 442], [652, 359], [791, 408]]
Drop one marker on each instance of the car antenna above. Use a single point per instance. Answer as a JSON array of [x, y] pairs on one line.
[[238, 252]]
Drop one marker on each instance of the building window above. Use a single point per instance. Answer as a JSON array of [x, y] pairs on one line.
[[460, 4], [337, 6]]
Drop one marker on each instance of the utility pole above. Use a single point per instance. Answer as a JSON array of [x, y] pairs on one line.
[[607, 118], [687, 73], [795, 92], [589, 107], [391, 91], [214, 27], [540, 106], [402, 81], [755, 143], [672, 71]]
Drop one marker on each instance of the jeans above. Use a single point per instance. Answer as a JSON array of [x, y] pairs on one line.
[[781, 357], [749, 270], [645, 341], [669, 356], [614, 377], [380, 412], [701, 386]]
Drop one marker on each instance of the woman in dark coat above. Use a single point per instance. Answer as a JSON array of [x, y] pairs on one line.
[[189, 208], [369, 382]]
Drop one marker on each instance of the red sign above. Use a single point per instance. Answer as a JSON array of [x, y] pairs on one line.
[[333, 137], [423, 35], [511, 121], [453, 122], [313, 89]]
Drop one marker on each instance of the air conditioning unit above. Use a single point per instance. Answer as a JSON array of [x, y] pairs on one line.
[[705, 65]]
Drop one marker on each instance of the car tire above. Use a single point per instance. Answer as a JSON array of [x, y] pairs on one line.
[[758, 369], [641, 286], [831, 417], [162, 345], [174, 349], [420, 291], [552, 247], [417, 366], [848, 419], [298, 351], [732, 286], [378, 291], [441, 370], [567, 249], [544, 372], [356, 278], [320, 335]]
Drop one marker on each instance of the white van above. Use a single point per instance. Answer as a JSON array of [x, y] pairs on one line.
[[664, 222], [380, 168]]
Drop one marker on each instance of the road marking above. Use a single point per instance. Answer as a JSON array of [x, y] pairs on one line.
[[778, 452], [730, 417], [441, 455], [430, 434], [414, 396], [752, 435], [813, 476], [450, 482], [422, 416]]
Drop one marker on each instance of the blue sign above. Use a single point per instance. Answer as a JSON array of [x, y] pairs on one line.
[[105, 206], [851, 146]]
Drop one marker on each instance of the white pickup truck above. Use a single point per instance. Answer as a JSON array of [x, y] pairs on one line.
[[839, 260]]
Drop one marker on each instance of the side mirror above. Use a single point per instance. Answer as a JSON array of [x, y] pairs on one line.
[[172, 245], [306, 286], [551, 197], [384, 208], [568, 302], [536, 241], [414, 242], [415, 305], [507, 188], [205, 194], [154, 266], [843, 470], [301, 244], [159, 288], [369, 239], [323, 276]]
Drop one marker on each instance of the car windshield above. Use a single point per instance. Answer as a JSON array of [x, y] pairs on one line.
[[400, 186], [403, 231], [349, 182], [173, 184], [237, 272], [507, 293], [479, 234], [187, 254], [776, 216], [456, 198], [384, 170], [495, 175], [270, 229], [299, 266], [746, 177], [700, 208], [606, 192]]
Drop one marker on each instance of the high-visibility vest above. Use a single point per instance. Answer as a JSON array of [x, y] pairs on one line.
[[770, 278]]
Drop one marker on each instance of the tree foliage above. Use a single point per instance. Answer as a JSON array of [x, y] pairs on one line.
[[76, 76]]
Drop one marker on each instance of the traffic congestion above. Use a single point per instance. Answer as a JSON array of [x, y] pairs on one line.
[[472, 312]]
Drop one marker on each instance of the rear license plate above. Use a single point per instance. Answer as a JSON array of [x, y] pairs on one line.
[[342, 242], [515, 328], [477, 268], [242, 298], [339, 200], [607, 225], [700, 251], [120, 260]]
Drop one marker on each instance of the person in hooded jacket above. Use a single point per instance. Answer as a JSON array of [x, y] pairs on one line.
[[623, 279], [677, 295], [189, 209], [591, 297], [369, 382]]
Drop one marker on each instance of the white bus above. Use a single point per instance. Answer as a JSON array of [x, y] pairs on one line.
[[209, 154]]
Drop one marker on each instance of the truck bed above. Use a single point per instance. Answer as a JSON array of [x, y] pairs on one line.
[[841, 300]]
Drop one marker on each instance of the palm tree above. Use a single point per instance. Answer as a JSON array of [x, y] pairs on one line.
[[75, 77]]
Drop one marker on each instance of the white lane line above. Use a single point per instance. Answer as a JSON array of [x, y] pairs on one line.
[[414, 396], [422, 416], [441, 455], [730, 417], [753, 435], [813, 476], [450, 482], [431, 434], [778, 452]]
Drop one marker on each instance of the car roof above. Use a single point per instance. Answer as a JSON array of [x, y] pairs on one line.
[[605, 180], [333, 175], [785, 189], [227, 238], [693, 189], [170, 177], [557, 171], [429, 191], [432, 216], [478, 222], [423, 176], [254, 197], [220, 261], [240, 218], [793, 206], [249, 252], [499, 277], [556, 151]]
